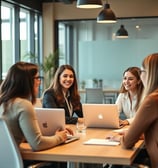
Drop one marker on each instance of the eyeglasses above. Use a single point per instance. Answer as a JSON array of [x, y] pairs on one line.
[[142, 70], [37, 77]]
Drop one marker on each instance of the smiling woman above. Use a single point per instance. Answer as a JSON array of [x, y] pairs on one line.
[[130, 94], [18, 94], [63, 93]]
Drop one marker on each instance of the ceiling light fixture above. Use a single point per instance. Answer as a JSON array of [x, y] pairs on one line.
[[106, 15], [89, 4], [122, 32]]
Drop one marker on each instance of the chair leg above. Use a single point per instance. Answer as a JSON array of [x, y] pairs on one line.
[[106, 165], [40, 165]]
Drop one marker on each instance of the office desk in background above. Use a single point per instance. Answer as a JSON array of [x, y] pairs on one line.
[[110, 95], [116, 91], [78, 152]]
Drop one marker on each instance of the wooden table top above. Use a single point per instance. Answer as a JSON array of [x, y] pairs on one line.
[[78, 152]]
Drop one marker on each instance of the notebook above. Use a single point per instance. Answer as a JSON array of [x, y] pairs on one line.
[[51, 119], [95, 141], [101, 115]]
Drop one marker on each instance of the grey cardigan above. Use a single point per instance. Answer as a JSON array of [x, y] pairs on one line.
[[21, 118]]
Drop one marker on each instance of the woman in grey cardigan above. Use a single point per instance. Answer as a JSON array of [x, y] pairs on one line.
[[17, 96]]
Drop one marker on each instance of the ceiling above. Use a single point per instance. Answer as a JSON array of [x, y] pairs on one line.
[[64, 1]]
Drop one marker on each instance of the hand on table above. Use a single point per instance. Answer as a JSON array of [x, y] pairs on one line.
[[69, 131], [64, 133], [117, 134], [123, 122], [116, 137]]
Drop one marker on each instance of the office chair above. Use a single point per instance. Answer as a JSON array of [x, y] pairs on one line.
[[109, 98], [94, 95], [9, 152]]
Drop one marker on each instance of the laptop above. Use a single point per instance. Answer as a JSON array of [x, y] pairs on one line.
[[101, 115], [51, 119]]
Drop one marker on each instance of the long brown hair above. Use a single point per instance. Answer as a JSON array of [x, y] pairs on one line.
[[139, 89], [19, 82], [57, 88]]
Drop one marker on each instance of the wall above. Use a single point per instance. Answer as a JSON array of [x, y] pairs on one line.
[[102, 56], [61, 11], [107, 60], [99, 56]]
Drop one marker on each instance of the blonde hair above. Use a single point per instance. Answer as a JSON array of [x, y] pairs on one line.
[[150, 65]]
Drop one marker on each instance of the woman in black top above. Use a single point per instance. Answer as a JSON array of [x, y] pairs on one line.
[[63, 93]]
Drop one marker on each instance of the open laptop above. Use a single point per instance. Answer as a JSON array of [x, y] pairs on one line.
[[101, 115], [51, 119]]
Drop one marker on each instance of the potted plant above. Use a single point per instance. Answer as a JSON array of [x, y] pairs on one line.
[[48, 66], [83, 84], [95, 83]]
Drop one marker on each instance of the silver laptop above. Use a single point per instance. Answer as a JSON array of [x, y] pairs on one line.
[[51, 119], [101, 115]]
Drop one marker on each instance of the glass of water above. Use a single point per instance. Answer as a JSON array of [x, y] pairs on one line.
[[80, 127]]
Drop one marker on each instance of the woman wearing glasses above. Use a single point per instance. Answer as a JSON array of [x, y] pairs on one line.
[[17, 96]]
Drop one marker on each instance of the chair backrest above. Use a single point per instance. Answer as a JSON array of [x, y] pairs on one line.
[[9, 152], [94, 95]]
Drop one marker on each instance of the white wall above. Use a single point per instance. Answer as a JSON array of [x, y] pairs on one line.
[[107, 60], [102, 57]]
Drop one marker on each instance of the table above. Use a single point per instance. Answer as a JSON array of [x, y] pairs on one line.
[[78, 152]]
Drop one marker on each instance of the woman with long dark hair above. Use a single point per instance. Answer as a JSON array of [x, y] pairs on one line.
[[63, 93], [17, 96]]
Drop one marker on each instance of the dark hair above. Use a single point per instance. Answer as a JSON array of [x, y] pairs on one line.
[[56, 86], [136, 72], [19, 82]]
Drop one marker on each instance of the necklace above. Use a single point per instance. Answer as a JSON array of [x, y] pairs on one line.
[[68, 103]]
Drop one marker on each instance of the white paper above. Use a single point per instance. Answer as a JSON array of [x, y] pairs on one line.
[[120, 130], [101, 142]]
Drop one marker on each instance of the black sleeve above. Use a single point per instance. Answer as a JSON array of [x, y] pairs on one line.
[[73, 120], [79, 112], [49, 100]]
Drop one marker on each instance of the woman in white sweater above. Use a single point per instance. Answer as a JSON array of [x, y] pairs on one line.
[[130, 94]]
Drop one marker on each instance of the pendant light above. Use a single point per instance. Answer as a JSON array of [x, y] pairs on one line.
[[89, 4], [106, 15], [122, 32]]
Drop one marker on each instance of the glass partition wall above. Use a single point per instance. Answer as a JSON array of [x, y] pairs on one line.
[[98, 56], [6, 35]]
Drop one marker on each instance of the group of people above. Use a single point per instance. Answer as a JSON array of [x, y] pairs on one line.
[[137, 101]]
